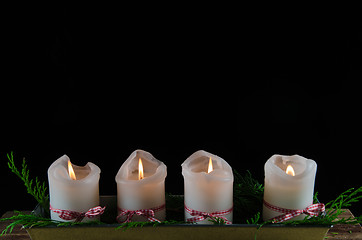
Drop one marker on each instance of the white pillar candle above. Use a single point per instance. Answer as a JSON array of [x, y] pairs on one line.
[[207, 190], [289, 183], [78, 195], [137, 193]]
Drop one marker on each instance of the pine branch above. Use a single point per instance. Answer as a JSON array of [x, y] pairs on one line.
[[248, 196], [255, 219], [332, 213], [128, 225], [217, 221], [344, 200], [38, 190], [30, 220]]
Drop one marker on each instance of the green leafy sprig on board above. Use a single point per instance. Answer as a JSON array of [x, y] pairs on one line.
[[248, 197], [31, 220], [38, 190], [129, 225], [334, 209], [331, 216]]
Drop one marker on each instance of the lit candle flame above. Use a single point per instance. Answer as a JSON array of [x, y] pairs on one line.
[[140, 169], [71, 171], [210, 169], [290, 170]]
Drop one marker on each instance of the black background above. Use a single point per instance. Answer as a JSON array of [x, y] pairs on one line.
[[242, 82]]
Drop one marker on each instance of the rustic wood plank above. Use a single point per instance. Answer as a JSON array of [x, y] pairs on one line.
[[337, 232], [345, 231], [18, 233]]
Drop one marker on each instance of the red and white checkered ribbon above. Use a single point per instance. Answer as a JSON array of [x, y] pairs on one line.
[[148, 213], [200, 216], [78, 216], [312, 210]]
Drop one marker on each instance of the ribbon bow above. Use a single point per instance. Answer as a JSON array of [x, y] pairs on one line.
[[78, 216], [311, 210], [200, 216], [148, 213]]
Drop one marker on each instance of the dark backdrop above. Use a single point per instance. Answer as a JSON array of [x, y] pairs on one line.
[[242, 82]]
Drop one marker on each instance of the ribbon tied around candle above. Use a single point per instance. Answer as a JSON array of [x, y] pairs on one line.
[[311, 210], [200, 216], [148, 213], [78, 216]]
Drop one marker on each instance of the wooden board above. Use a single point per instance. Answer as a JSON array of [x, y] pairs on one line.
[[352, 232]]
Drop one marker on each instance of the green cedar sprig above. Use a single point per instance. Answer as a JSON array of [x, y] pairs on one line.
[[255, 219], [128, 225], [248, 196], [332, 214], [344, 200], [31, 220], [38, 190], [217, 221], [334, 210]]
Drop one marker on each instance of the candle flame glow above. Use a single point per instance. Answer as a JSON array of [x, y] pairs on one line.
[[140, 169], [290, 170], [71, 171], [210, 169]]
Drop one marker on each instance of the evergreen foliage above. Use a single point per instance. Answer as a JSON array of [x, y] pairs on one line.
[[38, 190]]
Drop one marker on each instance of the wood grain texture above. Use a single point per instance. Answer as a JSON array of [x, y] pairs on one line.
[[345, 231]]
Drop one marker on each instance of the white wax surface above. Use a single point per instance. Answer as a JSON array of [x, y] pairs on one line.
[[207, 192], [286, 191], [149, 192], [77, 195]]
